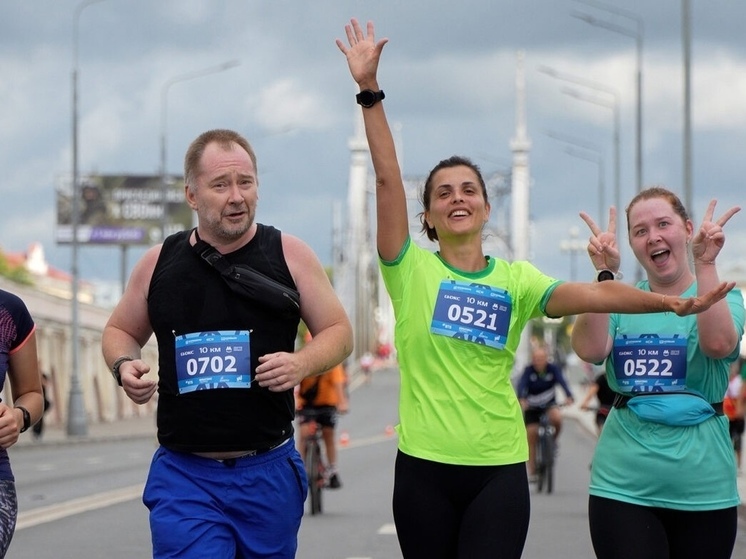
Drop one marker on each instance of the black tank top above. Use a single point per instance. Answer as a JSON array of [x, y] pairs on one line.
[[187, 295]]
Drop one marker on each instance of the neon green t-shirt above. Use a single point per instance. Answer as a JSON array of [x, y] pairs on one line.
[[685, 468], [457, 404]]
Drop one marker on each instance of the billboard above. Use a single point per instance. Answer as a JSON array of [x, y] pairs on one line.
[[122, 209]]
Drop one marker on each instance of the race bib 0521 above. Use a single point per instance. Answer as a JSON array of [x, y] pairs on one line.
[[473, 312]]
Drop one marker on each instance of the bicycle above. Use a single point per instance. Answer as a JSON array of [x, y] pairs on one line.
[[315, 466], [545, 454]]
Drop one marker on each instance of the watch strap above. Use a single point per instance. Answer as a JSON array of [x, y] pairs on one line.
[[115, 367], [26, 418]]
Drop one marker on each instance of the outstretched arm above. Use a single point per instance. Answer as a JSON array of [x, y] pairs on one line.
[[617, 297], [363, 55], [717, 334]]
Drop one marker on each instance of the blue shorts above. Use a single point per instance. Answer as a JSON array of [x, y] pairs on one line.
[[245, 508]]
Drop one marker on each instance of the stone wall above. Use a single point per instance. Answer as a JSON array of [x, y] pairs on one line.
[[104, 400]]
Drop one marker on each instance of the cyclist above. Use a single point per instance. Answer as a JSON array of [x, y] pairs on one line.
[[536, 393], [320, 399], [605, 396]]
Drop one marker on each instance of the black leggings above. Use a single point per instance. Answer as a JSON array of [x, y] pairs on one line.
[[8, 514], [621, 530], [444, 511]]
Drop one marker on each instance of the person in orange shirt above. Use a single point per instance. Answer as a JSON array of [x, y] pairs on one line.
[[321, 398]]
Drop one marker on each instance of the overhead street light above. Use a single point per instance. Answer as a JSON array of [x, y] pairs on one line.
[[637, 34], [588, 151], [164, 121], [612, 104]]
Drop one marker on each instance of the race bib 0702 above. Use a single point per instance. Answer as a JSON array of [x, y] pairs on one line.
[[650, 363], [209, 360], [473, 312]]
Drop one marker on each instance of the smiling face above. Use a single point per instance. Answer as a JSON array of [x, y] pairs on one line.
[[659, 236], [457, 203], [226, 193]]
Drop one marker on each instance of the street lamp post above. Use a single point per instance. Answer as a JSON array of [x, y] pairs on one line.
[[686, 40], [164, 121], [76, 415], [637, 35]]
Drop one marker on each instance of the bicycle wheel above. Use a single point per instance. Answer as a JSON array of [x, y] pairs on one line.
[[548, 451], [539, 461], [314, 475]]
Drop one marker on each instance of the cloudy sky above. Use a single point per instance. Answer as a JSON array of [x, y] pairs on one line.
[[448, 72]]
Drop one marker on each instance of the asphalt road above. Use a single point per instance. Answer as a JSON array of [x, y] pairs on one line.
[[82, 501]]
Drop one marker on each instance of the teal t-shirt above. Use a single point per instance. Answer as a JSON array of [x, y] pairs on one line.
[[685, 468], [456, 336]]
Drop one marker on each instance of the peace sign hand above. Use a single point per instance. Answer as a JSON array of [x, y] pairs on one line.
[[602, 246], [710, 238]]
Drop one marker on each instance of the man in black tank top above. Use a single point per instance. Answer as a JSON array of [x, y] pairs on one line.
[[226, 365]]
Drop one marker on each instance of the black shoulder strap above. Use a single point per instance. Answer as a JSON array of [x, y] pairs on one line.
[[246, 281]]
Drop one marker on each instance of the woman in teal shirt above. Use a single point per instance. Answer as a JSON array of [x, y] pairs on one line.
[[663, 480]]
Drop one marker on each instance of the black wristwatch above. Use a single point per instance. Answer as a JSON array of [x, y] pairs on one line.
[[367, 97], [26, 418], [115, 367], [605, 275]]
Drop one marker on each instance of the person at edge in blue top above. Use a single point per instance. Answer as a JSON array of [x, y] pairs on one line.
[[19, 365], [460, 483], [226, 480], [663, 477], [537, 394]]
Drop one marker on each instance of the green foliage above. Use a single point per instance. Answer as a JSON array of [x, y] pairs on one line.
[[18, 274]]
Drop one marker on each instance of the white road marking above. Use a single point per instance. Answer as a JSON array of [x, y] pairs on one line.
[[50, 513]]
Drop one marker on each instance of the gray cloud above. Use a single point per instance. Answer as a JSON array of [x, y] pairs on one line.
[[449, 76]]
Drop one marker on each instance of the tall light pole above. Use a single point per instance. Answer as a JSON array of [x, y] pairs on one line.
[[77, 424], [687, 41], [637, 34], [613, 105], [164, 122]]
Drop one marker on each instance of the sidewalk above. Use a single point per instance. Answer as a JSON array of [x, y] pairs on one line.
[[135, 427]]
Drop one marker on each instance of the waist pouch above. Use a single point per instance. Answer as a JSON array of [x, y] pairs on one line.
[[679, 409]]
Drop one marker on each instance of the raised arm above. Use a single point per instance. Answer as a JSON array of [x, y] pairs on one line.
[[717, 334], [590, 337], [363, 55]]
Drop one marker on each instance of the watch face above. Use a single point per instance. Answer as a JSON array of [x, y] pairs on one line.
[[366, 98], [605, 275]]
